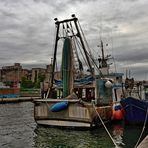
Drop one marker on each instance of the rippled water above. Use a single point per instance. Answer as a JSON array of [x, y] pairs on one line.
[[19, 130], [17, 125], [70, 139]]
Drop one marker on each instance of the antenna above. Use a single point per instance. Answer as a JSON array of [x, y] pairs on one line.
[[129, 74]]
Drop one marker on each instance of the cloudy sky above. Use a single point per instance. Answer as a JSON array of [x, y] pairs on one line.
[[27, 30]]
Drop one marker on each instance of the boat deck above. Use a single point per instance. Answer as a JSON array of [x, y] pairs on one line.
[[56, 100], [144, 143]]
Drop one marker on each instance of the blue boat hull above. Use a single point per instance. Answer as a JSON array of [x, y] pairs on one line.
[[135, 110]]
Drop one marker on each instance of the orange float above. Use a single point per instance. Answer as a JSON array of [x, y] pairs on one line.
[[118, 114]]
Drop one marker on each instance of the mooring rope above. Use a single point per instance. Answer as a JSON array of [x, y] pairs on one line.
[[142, 129], [105, 127], [46, 96]]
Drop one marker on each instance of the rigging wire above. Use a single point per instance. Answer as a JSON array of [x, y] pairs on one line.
[[63, 29], [74, 40], [112, 44], [78, 44], [54, 41], [100, 36], [90, 54], [84, 39], [80, 47]]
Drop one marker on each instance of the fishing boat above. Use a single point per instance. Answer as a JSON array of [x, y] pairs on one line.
[[136, 111], [136, 108], [82, 96]]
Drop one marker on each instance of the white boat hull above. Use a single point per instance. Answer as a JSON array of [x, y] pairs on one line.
[[76, 115]]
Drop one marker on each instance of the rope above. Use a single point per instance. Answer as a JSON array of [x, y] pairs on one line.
[[105, 127], [45, 97], [85, 39], [89, 53], [78, 44], [142, 129]]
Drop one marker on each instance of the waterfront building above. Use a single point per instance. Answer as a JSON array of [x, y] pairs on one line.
[[14, 73], [11, 73]]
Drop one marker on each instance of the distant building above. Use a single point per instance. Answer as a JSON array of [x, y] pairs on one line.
[[11, 73], [48, 73], [27, 73], [15, 73], [36, 72]]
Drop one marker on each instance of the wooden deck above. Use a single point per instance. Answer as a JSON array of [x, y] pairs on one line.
[[144, 143]]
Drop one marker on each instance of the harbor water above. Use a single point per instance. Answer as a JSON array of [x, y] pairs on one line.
[[19, 130]]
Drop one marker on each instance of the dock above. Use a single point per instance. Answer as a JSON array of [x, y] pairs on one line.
[[19, 99], [144, 143]]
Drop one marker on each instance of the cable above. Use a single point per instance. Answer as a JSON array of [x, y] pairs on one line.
[[105, 126]]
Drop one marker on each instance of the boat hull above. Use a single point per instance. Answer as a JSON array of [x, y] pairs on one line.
[[135, 110], [9, 92], [75, 115]]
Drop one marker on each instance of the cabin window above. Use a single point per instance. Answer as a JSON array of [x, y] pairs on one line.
[[88, 94], [83, 94], [78, 92]]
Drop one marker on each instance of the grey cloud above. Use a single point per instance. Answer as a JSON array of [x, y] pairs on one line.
[[27, 29]]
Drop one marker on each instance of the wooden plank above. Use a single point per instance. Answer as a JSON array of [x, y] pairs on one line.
[[144, 143], [78, 112], [41, 111]]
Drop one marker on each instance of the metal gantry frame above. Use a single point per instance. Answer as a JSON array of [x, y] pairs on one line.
[[78, 34]]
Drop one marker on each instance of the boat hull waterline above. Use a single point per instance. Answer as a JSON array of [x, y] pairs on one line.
[[135, 110], [75, 115]]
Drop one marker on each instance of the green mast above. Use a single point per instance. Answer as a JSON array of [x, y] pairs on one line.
[[66, 67]]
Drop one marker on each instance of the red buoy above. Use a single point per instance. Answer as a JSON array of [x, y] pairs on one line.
[[118, 114]]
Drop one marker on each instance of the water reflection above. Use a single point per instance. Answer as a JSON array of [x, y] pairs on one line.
[[59, 138], [18, 129], [126, 136], [118, 132]]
